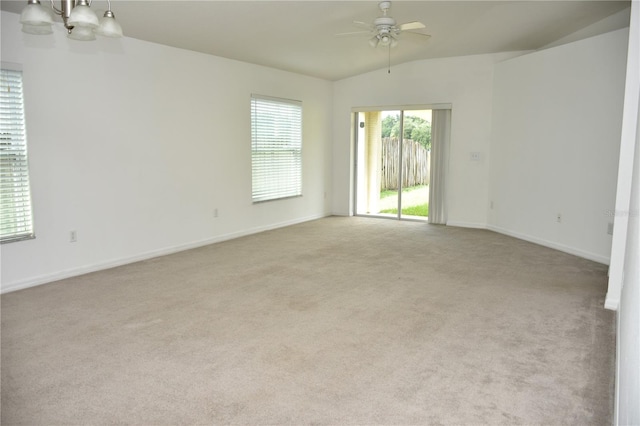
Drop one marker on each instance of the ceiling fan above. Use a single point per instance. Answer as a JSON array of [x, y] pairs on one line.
[[384, 28]]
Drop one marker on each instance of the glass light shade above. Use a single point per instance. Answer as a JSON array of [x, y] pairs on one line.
[[83, 16], [82, 34], [36, 14], [37, 29], [373, 42], [109, 27], [385, 40]]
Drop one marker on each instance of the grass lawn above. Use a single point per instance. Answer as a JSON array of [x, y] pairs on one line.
[[391, 192], [420, 210]]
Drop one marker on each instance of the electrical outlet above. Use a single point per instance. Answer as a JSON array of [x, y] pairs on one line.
[[559, 218], [215, 212], [475, 156], [491, 205], [73, 236], [610, 228]]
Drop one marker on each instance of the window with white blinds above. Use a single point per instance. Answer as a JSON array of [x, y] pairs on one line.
[[15, 199], [276, 148]]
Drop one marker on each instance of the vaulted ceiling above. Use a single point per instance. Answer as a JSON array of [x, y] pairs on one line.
[[299, 36]]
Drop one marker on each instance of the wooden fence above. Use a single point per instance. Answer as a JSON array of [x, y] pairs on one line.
[[415, 164]]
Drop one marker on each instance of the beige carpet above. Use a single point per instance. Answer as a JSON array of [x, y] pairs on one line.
[[335, 321]]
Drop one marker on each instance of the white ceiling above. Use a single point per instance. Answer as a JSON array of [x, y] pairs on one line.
[[299, 36]]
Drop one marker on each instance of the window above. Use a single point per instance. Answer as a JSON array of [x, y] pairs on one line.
[[15, 200], [276, 148]]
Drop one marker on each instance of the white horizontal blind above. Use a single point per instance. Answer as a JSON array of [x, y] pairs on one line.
[[276, 148], [15, 199]]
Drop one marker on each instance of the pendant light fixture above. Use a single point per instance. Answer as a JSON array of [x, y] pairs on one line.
[[80, 21]]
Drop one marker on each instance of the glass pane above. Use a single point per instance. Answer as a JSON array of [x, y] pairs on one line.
[[377, 163], [392, 171], [416, 146]]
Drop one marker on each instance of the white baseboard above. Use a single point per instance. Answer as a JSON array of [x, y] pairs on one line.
[[467, 224], [47, 278], [74, 272], [560, 247]]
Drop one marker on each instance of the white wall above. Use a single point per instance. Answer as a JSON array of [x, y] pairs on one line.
[[467, 84], [625, 163], [628, 371], [555, 144], [134, 145], [624, 280]]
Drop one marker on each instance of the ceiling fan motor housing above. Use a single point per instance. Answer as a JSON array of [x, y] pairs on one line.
[[384, 23]]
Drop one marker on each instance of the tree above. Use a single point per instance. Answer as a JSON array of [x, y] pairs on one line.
[[388, 123], [415, 128], [422, 134]]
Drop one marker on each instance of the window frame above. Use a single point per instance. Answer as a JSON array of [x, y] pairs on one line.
[[16, 146], [276, 148]]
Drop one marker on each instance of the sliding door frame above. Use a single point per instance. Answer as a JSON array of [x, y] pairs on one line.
[[355, 144]]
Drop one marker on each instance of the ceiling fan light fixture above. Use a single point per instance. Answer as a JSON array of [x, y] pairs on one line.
[[78, 18], [82, 16], [373, 42], [82, 34], [35, 14], [109, 27]]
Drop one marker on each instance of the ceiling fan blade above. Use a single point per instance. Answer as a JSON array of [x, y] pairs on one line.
[[425, 36], [415, 25], [353, 33], [363, 25]]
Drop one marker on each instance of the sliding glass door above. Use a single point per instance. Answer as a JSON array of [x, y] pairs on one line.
[[393, 163]]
